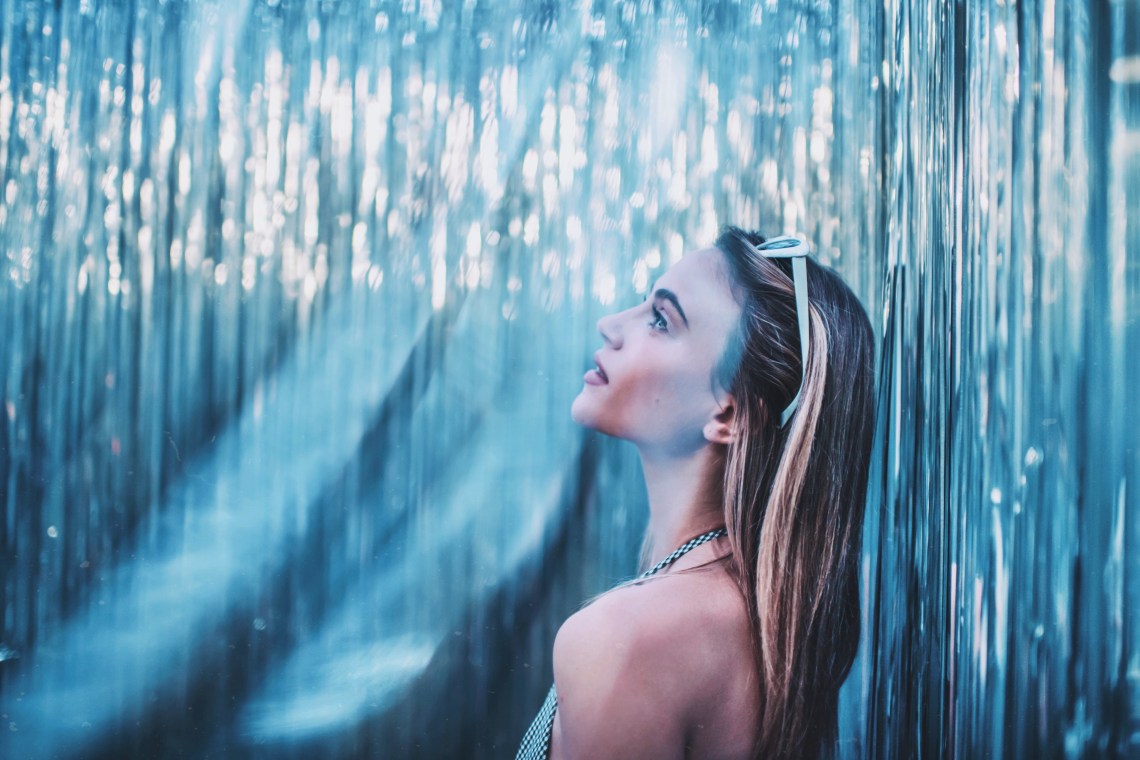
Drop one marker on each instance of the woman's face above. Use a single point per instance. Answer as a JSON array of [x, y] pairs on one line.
[[654, 383]]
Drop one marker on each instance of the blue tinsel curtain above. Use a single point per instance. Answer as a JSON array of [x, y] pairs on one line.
[[295, 294]]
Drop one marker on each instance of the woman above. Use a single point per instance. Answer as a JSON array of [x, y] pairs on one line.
[[745, 380]]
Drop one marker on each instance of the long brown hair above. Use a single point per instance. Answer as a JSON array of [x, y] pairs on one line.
[[794, 495]]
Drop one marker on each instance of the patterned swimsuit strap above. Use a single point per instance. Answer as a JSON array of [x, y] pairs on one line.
[[684, 549]]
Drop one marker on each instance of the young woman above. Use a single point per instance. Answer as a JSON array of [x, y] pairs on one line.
[[746, 381]]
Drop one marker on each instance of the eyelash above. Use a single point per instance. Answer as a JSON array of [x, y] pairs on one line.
[[659, 319]]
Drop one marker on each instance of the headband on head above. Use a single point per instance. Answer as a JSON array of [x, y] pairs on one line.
[[794, 248]]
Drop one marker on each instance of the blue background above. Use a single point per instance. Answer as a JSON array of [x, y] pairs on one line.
[[294, 298]]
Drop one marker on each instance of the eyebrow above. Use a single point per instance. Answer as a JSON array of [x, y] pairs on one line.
[[671, 297]]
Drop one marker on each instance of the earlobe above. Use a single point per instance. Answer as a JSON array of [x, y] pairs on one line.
[[722, 427]]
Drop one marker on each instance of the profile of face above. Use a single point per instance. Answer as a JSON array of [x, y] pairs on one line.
[[654, 383]]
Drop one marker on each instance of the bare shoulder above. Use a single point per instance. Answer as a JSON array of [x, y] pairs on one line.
[[646, 668]]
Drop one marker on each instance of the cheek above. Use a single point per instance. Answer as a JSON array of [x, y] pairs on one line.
[[652, 396], [664, 387], [653, 403], [620, 407], [680, 402]]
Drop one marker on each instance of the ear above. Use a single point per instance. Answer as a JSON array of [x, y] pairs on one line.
[[722, 427]]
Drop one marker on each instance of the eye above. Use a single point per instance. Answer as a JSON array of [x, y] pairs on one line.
[[659, 322]]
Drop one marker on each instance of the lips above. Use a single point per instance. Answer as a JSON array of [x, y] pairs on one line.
[[601, 369], [596, 376]]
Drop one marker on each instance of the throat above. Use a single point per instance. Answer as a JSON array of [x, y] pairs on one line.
[[685, 499]]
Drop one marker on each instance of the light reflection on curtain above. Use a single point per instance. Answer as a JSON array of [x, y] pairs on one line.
[[295, 297]]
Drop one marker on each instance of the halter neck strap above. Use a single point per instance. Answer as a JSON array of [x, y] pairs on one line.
[[684, 549]]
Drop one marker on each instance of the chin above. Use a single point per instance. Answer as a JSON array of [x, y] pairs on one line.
[[581, 412]]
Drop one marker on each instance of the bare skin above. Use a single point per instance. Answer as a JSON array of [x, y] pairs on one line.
[[663, 668], [658, 670]]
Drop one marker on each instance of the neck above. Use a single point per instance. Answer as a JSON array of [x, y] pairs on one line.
[[685, 497]]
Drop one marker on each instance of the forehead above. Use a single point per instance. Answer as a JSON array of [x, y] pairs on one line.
[[701, 281]]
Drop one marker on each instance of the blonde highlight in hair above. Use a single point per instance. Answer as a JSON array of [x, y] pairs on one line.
[[793, 496]]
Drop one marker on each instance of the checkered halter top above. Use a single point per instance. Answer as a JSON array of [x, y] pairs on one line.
[[536, 742]]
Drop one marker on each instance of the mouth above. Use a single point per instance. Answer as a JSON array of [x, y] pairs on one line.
[[601, 369], [597, 375]]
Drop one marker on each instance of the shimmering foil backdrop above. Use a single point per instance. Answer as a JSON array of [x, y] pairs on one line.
[[295, 297]]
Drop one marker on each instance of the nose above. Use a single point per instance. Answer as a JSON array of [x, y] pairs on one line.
[[609, 327]]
